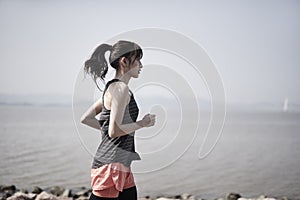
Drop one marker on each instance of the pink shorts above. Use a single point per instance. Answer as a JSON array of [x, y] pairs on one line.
[[110, 179]]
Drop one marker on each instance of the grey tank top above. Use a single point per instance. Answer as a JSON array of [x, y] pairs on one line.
[[120, 149]]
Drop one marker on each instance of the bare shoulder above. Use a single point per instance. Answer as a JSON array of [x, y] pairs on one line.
[[119, 90], [118, 87]]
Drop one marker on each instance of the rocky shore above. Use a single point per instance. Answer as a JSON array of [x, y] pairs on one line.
[[10, 192]]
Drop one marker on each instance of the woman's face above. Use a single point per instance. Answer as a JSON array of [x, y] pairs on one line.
[[135, 68]]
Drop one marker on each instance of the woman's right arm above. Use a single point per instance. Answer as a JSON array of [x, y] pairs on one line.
[[89, 117], [120, 98]]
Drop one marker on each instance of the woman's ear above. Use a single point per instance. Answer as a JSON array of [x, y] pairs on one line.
[[124, 62]]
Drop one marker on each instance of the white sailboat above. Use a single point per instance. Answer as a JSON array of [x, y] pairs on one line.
[[285, 104]]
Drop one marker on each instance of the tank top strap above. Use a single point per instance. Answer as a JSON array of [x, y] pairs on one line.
[[131, 93], [105, 88], [110, 82]]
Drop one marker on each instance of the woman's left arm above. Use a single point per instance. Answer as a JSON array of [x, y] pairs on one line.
[[89, 117]]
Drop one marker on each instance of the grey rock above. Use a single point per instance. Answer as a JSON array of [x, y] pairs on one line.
[[67, 193], [262, 197], [242, 198], [46, 196], [22, 196], [233, 196], [198, 197], [83, 192], [36, 190], [2, 196], [24, 191], [192, 198], [175, 197], [7, 187], [76, 190], [145, 198], [82, 198], [185, 196], [32, 195], [56, 190], [7, 193]]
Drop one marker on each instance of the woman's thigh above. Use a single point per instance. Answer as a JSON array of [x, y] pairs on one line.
[[128, 194]]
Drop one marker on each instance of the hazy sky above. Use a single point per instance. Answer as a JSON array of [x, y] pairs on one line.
[[254, 44]]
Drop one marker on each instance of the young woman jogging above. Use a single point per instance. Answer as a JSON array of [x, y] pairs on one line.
[[111, 173]]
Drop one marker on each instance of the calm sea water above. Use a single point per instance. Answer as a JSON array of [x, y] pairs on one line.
[[257, 153]]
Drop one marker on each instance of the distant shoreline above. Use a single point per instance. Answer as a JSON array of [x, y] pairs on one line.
[[204, 104]]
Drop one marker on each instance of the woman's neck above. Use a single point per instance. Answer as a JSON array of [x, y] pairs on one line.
[[123, 78]]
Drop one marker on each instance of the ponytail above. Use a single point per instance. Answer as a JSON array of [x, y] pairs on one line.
[[97, 65]]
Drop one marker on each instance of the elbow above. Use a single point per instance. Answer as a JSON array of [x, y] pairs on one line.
[[112, 134], [113, 131]]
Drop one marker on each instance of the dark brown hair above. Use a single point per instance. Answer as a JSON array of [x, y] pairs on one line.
[[97, 65]]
